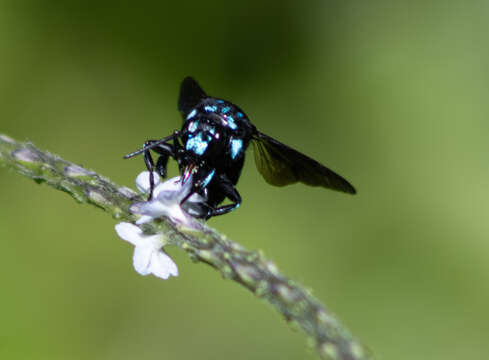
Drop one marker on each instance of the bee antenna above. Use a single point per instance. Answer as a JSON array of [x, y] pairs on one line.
[[147, 146]]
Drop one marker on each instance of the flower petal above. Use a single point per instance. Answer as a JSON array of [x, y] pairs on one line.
[[142, 259], [172, 267], [142, 181], [129, 232], [144, 219], [148, 257], [162, 265], [160, 207], [170, 185]]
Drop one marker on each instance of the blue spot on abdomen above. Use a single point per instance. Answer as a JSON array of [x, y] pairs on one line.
[[236, 147]]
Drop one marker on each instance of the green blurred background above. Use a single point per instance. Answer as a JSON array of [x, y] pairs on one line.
[[392, 95]]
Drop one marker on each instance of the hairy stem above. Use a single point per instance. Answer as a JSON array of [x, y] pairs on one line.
[[249, 268]]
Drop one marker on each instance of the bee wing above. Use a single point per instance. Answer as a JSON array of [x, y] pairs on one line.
[[190, 95], [281, 165]]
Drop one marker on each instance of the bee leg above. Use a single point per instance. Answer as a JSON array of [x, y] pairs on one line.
[[231, 193], [165, 151], [179, 151], [161, 164], [197, 210], [148, 160]]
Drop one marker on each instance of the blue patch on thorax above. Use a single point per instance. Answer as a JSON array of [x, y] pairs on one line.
[[196, 144], [210, 108], [193, 126], [191, 114]]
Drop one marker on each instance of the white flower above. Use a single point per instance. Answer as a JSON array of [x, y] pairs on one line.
[[149, 257], [166, 201]]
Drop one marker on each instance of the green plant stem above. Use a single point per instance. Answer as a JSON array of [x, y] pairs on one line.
[[249, 268]]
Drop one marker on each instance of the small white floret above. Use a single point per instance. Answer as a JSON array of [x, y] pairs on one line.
[[149, 256], [166, 200]]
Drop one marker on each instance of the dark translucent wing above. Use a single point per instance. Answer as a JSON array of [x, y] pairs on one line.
[[190, 95], [281, 165]]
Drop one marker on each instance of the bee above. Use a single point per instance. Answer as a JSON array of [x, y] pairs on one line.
[[210, 151]]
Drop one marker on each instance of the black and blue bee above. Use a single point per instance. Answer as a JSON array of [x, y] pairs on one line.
[[210, 150]]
